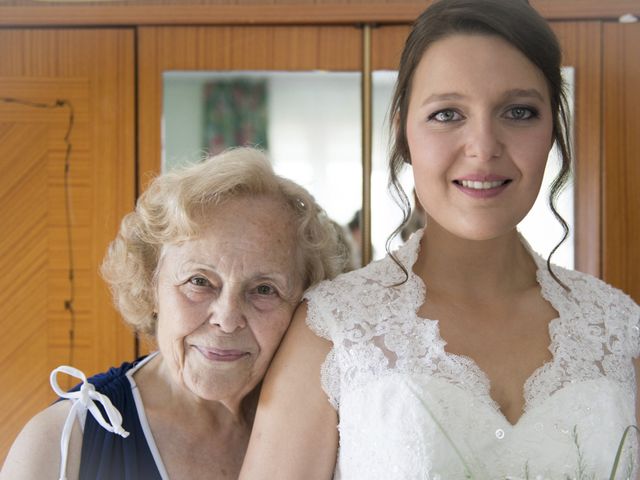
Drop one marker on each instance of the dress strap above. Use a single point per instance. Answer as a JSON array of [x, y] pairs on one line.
[[83, 399]]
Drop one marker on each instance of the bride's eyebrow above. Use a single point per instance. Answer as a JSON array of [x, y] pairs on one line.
[[440, 97], [524, 93], [513, 93]]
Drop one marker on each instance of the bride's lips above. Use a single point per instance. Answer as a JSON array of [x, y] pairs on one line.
[[221, 354], [482, 186]]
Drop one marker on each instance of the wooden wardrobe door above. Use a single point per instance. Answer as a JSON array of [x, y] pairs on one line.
[[93, 70], [581, 44], [387, 44], [621, 127]]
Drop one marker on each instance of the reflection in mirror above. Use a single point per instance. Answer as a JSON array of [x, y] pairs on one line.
[[309, 122], [385, 213], [539, 227]]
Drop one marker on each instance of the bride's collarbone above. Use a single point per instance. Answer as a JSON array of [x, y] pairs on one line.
[[519, 312], [493, 330], [507, 342]]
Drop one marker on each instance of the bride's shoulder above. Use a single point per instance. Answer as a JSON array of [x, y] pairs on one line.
[[346, 286], [339, 305], [378, 276], [595, 302], [588, 287]]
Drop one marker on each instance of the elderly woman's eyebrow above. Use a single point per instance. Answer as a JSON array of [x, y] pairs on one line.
[[191, 264], [280, 278], [188, 267]]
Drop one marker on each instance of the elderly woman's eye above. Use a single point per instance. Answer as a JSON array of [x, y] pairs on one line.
[[199, 281], [265, 290]]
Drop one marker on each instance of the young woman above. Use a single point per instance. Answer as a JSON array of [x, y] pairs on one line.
[[464, 354]]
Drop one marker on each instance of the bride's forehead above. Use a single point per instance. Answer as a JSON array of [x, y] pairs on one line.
[[473, 52], [476, 64]]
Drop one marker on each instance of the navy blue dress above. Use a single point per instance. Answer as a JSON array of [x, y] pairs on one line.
[[105, 455]]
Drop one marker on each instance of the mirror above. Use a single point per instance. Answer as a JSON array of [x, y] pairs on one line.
[[310, 124]]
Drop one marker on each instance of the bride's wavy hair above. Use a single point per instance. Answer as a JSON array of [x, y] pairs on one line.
[[521, 26]]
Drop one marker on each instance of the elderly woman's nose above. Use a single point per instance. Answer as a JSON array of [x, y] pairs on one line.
[[227, 313], [483, 139]]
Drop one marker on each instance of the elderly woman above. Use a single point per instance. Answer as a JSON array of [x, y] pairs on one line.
[[210, 265]]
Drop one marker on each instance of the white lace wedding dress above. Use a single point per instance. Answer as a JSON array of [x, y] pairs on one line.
[[409, 410]]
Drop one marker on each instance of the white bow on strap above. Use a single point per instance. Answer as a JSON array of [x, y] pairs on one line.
[[84, 399]]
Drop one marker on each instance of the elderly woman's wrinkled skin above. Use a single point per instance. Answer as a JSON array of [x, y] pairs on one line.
[[225, 299]]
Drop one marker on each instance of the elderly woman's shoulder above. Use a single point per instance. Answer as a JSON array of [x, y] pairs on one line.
[[36, 453]]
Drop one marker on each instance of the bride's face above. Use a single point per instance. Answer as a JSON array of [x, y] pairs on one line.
[[479, 129]]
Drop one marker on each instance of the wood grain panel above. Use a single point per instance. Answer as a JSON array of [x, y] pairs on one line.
[[93, 69], [581, 48], [229, 48], [621, 127], [23, 293], [387, 44], [261, 12]]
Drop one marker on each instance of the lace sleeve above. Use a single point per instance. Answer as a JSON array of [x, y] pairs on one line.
[[317, 321], [631, 312], [622, 316], [322, 322], [611, 314]]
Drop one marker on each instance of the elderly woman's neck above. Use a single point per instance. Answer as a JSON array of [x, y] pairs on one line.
[[241, 411], [161, 392]]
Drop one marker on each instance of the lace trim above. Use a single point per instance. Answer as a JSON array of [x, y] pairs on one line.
[[376, 331]]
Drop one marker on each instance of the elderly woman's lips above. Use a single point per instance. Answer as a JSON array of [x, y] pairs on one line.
[[220, 354]]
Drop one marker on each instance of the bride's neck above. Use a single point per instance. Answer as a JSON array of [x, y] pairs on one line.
[[475, 269]]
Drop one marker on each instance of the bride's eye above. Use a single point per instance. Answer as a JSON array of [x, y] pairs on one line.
[[520, 112], [445, 116]]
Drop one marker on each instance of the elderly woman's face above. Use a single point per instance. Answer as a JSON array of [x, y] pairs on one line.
[[226, 298]]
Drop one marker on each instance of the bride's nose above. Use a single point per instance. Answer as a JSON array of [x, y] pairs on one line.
[[482, 140]]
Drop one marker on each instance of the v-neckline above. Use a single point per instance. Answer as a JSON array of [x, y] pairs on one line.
[[485, 380], [468, 361]]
